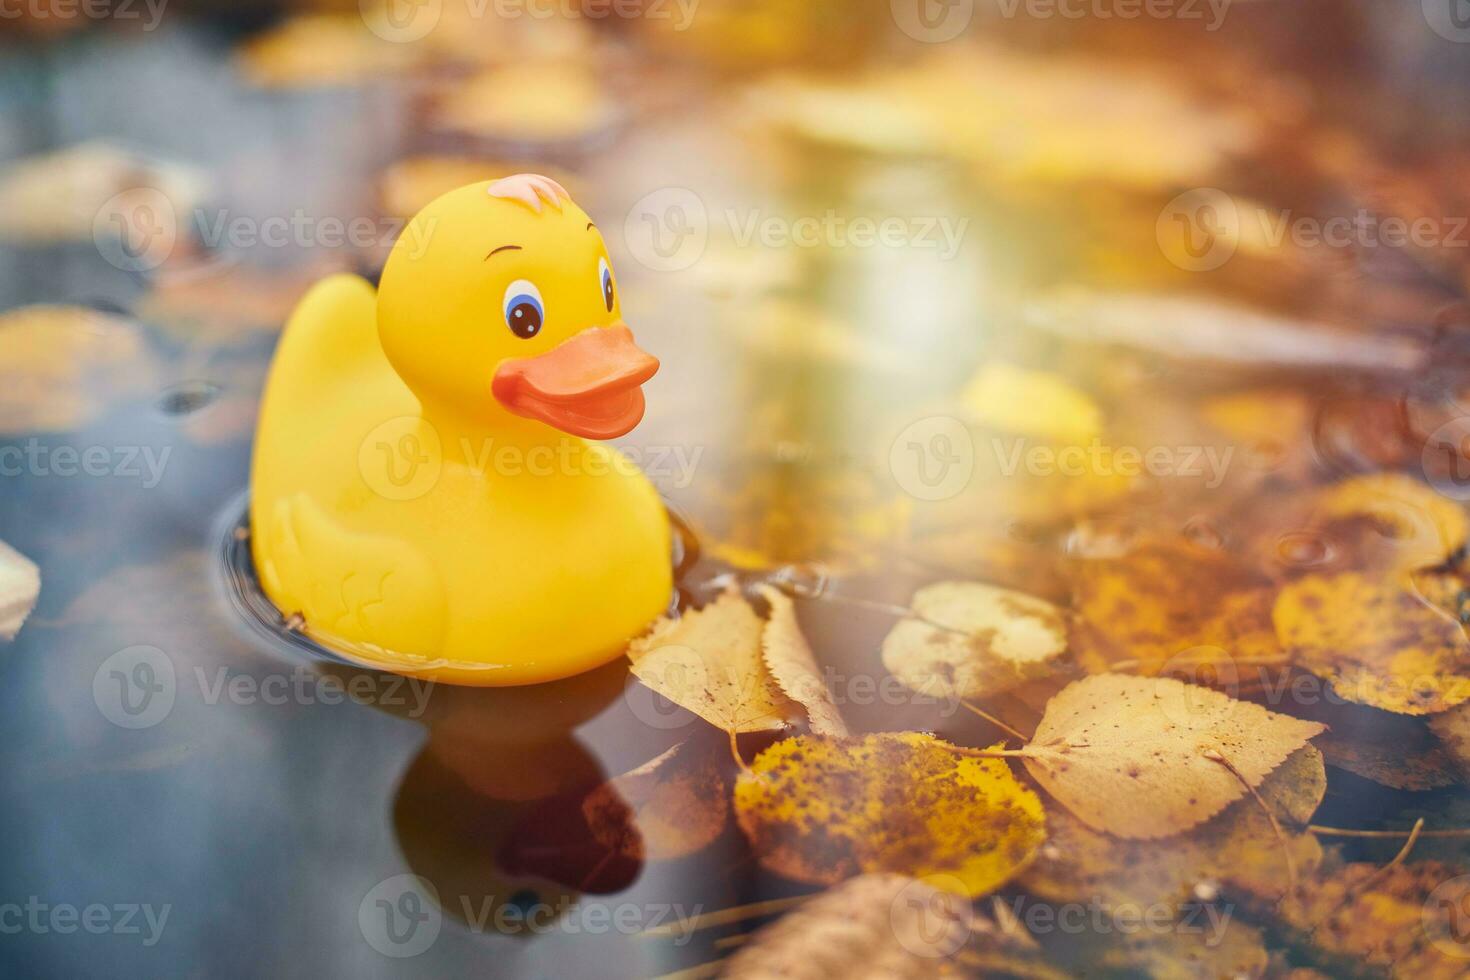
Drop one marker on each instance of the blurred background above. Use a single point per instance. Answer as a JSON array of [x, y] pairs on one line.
[[874, 244]]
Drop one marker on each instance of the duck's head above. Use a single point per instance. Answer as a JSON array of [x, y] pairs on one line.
[[499, 299]]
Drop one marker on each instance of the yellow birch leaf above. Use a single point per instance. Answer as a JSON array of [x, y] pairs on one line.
[[973, 640], [709, 661], [1426, 527], [820, 809], [789, 659], [1031, 403], [1131, 756], [1376, 641], [20, 586], [667, 808]]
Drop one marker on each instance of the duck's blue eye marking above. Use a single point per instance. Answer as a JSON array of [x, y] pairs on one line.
[[524, 311], [604, 278]]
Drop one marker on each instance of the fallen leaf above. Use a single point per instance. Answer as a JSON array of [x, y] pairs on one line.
[[1452, 727], [820, 809], [789, 659], [60, 367], [1165, 598], [1425, 528], [20, 586], [709, 661], [1237, 847], [884, 927], [1376, 641], [1031, 403], [667, 808], [971, 640], [1127, 755], [1407, 918], [1390, 749]]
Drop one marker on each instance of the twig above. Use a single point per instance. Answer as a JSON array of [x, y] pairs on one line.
[[892, 609], [724, 917], [1023, 753], [994, 720], [1215, 755], [1363, 886], [1344, 832], [735, 751]]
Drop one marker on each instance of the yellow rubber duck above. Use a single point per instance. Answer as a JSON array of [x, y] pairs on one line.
[[423, 491]]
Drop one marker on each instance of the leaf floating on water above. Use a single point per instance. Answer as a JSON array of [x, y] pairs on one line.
[[20, 586], [1425, 527], [819, 809], [1127, 755], [709, 661], [1166, 600], [973, 640], [1237, 847], [1390, 749], [1407, 918], [1031, 403], [789, 658], [60, 366], [884, 927], [667, 808], [1452, 727], [1376, 641]]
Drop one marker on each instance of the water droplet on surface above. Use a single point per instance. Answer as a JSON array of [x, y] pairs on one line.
[[805, 580], [187, 397], [1302, 549], [1203, 533]]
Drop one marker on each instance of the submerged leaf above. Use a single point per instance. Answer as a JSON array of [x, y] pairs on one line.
[[820, 809], [669, 807], [1376, 641], [884, 927], [1031, 403], [1237, 847], [1425, 527], [972, 640], [709, 661], [789, 659], [1132, 755], [20, 586]]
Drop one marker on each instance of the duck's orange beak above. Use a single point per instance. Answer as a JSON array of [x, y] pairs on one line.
[[588, 385]]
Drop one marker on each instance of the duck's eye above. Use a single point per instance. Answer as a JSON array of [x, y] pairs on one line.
[[524, 312], [604, 276]]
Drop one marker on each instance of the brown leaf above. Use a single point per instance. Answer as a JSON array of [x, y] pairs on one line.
[[1390, 749], [789, 659], [1127, 755], [1453, 729], [820, 809], [1423, 527], [667, 808], [972, 640], [884, 927], [709, 661]]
